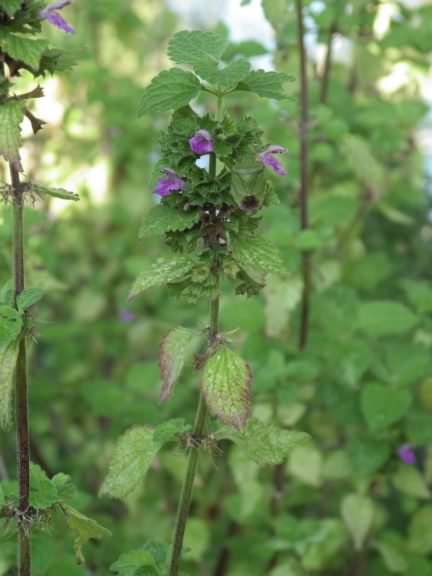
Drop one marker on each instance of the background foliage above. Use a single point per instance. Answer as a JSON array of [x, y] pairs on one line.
[[346, 505]]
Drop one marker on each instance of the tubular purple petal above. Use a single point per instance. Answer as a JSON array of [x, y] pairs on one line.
[[269, 159], [407, 454], [170, 183], [51, 15], [201, 143]]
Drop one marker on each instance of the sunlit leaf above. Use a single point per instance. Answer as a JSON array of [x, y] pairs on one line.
[[170, 90]]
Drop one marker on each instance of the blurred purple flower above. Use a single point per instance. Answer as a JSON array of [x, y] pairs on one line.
[[269, 159], [201, 143], [51, 14], [407, 454], [126, 317], [170, 183]]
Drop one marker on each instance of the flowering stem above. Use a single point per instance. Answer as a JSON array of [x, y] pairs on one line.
[[200, 419], [21, 387], [304, 184]]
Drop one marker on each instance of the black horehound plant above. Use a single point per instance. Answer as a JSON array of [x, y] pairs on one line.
[[210, 220], [30, 503]]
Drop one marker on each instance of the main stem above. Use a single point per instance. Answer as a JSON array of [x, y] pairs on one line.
[[304, 176], [21, 387], [200, 419]]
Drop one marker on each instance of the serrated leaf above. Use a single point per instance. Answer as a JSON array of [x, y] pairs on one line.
[[169, 90], [28, 298], [10, 6], [163, 270], [192, 47], [257, 257], [225, 78], [384, 317], [266, 84], [358, 514], [8, 359], [170, 430], [55, 192], [152, 555], [383, 406], [161, 219], [177, 348], [55, 60], [23, 49], [226, 385], [11, 324], [43, 493], [64, 486], [85, 528], [131, 460], [11, 116], [265, 443]]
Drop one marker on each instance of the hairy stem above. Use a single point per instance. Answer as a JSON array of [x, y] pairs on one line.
[[21, 387], [304, 176], [200, 419]]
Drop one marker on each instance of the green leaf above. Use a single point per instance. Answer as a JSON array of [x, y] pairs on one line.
[[24, 49], [161, 219], [192, 47], [163, 270], [177, 348], [246, 49], [85, 529], [419, 533], [391, 548], [55, 192], [383, 318], [29, 298], [170, 431], [358, 515], [305, 464], [257, 257], [8, 359], [266, 84], [226, 385], [170, 90], [359, 155], [383, 406], [11, 116], [152, 555], [131, 460], [265, 444], [225, 78], [10, 6], [282, 297], [11, 324], [43, 493], [408, 480]]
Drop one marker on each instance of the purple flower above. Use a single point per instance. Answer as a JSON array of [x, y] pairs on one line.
[[51, 14], [269, 159], [126, 317], [407, 454], [170, 183], [201, 143]]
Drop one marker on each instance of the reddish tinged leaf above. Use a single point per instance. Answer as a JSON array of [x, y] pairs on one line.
[[226, 385], [176, 349]]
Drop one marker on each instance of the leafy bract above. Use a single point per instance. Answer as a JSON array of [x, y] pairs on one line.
[[11, 116], [162, 219], [266, 84], [55, 192], [192, 47], [10, 6], [265, 443], [176, 349], [85, 529], [163, 270], [26, 50], [226, 384], [169, 90]]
